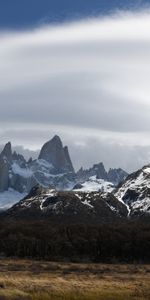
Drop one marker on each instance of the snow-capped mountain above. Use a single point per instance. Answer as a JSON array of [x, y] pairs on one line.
[[53, 168], [94, 184], [71, 206], [114, 176], [135, 192]]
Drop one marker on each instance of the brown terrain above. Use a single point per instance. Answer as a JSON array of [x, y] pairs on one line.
[[38, 280]]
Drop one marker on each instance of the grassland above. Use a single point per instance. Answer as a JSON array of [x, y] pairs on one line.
[[32, 280]]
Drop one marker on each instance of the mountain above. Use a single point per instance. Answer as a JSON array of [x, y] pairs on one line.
[[53, 168], [114, 176], [57, 156], [94, 201], [69, 207], [50, 187], [94, 184], [135, 192]]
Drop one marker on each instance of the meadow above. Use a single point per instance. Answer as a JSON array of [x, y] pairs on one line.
[[40, 280]]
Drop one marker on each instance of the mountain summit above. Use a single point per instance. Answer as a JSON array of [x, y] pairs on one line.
[[7, 152], [58, 156], [52, 169]]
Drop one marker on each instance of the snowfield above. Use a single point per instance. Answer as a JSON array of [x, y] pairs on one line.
[[96, 185]]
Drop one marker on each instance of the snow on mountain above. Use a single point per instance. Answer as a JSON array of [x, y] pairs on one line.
[[114, 176], [23, 172], [69, 206], [94, 184], [135, 191], [52, 169]]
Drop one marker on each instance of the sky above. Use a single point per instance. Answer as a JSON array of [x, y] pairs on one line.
[[80, 71]]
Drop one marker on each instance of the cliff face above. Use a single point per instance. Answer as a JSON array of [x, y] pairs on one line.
[[52, 168], [58, 156], [5, 162]]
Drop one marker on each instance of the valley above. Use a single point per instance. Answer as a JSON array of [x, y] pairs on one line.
[[36, 280]]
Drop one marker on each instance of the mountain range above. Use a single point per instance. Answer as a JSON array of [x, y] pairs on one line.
[[49, 187], [53, 168]]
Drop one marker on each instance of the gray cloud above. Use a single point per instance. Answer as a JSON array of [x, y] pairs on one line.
[[86, 81]]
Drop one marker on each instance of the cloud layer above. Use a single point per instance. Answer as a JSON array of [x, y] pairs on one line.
[[86, 81]]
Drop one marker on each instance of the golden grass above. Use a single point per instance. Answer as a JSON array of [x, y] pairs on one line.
[[31, 280]]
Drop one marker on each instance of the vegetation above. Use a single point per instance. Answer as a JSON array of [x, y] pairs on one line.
[[107, 243], [41, 280]]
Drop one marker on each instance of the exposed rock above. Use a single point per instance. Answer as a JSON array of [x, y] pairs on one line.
[[135, 192], [57, 155], [114, 175], [53, 168], [69, 207], [68, 160], [19, 159], [4, 174], [78, 186], [117, 175], [7, 152]]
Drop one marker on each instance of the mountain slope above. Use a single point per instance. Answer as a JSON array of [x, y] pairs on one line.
[[135, 192], [114, 176], [53, 168], [69, 207], [94, 184]]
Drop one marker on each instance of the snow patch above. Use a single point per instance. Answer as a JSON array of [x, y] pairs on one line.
[[23, 172], [85, 202], [96, 185]]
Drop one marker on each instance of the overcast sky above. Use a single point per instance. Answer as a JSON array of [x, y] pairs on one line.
[[87, 81]]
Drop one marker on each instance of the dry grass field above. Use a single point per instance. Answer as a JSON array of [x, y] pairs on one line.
[[32, 280]]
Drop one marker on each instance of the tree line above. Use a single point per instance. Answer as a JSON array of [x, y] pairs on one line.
[[124, 242]]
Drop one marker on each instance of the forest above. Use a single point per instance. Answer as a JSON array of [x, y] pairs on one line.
[[105, 243]]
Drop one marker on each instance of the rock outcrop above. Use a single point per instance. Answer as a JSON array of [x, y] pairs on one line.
[[135, 192], [4, 174], [52, 168], [7, 152], [58, 156], [113, 175], [116, 175], [5, 163]]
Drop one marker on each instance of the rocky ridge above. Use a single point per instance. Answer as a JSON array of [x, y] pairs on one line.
[[78, 207], [52, 169], [135, 192]]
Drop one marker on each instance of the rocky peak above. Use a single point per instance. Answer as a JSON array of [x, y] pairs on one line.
[[116, 175], [100, 171], [57, 155], [69, 206], [19, 158], [56, 140], [66, 151], [7, 152]]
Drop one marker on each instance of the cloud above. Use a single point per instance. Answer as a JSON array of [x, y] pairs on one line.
[[87, 81]]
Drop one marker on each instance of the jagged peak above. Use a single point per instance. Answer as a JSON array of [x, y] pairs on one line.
[[56, 139], [54, 153], [7, 151]]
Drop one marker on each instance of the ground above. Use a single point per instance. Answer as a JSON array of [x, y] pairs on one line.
[[32, 280]]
